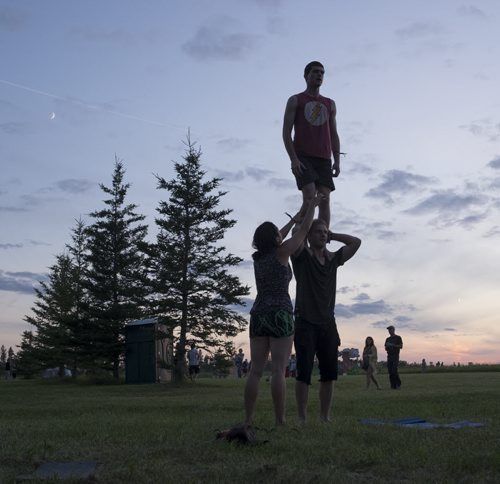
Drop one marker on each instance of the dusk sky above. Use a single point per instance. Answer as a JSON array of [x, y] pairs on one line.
[[416, 85]]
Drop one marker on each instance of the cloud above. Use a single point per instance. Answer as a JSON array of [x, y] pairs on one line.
[[10, 246], [230, 176], [419, 30], [352, 222], [362, 308], [483, 128], [398, 321], [281, 183], [357, 168], [74, 185], [398, 182], [22, 282], [13, 209], [258, 174], [12, 19], [471, 11], [214, 43], [38, 243], [449, 329], [495, 163], [493, 232], [43, 195], [13, 128], [446, 202], [470, 221], [233, 144]]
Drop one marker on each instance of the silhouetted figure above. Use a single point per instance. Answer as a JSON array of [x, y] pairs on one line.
[[312, 118], [193, 356], [316, 334], [393, 345], [370, 359]]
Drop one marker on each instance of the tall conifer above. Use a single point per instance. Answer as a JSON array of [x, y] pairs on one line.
[[116, 273], [194, 288]]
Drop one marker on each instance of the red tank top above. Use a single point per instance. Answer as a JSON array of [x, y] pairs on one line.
[[312, 126]]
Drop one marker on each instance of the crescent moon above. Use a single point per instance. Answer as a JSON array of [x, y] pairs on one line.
[[52, 115]]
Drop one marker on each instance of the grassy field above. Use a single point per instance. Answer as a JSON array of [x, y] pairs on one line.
[[162, 433]]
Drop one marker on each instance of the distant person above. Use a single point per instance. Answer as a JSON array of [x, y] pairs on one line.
[[393, 345], [370, 359], [271, 316], [312, 118], [424, 365], [194, 362], [316, 334], [238, 362], [13, 371], [244, 368], [7, 369]]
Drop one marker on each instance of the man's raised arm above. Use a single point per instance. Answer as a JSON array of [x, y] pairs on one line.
[[351, 244]]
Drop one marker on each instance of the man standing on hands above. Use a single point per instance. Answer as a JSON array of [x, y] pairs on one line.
[[315, 270], [312, 118], [393, 344]]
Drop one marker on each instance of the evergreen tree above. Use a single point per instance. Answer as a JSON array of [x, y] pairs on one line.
[[27, 362], [53, 344], [193, 286], [117, 286], [3, 355], [81, 334]]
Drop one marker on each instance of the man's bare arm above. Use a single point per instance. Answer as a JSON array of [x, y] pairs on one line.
[[335, 141], [352, 244], [289, 118]]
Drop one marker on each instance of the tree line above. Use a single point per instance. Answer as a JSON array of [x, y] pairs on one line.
[[109, 274]]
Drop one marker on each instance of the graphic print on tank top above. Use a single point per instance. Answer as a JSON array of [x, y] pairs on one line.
[[316, 113]]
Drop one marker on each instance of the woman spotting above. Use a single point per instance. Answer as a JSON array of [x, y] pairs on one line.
[[370, 362], [271, 317]]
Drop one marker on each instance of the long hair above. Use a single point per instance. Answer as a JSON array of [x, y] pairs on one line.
[[264, 239]]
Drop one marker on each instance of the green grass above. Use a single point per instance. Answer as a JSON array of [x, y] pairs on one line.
[[162, 433]]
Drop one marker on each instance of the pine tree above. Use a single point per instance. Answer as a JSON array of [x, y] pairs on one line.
[[27, 361], [3, 355], [193, 286], [116, 275], [81, 336], [59, 318], [52, 345]]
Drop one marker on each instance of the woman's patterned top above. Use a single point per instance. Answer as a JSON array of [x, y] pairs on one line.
[[272, 279]]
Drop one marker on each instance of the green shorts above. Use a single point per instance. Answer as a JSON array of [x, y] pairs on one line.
[[277, 324]]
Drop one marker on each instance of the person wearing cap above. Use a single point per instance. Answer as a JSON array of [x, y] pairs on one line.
[[393, 344]]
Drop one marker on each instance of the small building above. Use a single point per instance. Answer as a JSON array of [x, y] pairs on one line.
[[148, 353]]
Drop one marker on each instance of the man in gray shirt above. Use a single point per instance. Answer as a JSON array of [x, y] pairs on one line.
[[316, 334]]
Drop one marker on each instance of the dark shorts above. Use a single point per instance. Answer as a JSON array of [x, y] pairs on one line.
[[277, 324], [317, 171], [194, 369], [316, 340]]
